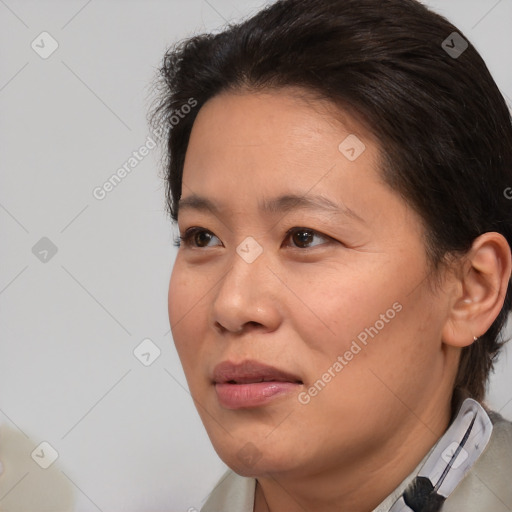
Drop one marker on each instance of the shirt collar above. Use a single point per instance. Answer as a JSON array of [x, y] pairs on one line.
[[447, 463]]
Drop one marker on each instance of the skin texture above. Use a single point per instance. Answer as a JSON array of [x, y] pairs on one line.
[[302, 302]]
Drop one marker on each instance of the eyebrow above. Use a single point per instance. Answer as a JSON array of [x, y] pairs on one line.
[[278, 205]]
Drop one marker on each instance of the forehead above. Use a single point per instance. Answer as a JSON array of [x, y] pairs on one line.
[[272, 140], [253, 117]]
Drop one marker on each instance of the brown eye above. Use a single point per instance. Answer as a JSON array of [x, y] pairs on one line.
[[303, 237], [201, 238], [195, 237]]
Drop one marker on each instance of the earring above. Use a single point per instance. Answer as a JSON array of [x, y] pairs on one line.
[[474, 338]]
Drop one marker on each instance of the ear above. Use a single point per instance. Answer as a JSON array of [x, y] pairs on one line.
[[481, 289]]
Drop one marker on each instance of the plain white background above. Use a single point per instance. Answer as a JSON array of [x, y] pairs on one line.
[[127, 435]]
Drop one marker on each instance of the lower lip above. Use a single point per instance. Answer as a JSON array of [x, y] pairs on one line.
[[237, 396]]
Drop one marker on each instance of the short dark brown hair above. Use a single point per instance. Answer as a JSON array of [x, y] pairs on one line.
[[444, 128]]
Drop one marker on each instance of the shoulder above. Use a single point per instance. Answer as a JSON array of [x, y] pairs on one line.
[[487, 486], [232, 493]]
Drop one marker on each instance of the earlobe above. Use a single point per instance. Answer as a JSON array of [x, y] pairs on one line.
[[484, 279]]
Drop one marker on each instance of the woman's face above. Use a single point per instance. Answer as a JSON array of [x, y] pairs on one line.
[[329, 305]]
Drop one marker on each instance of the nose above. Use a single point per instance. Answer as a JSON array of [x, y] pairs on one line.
[[247, 297]]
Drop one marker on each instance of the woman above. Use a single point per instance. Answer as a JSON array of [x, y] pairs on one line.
[[340, 186]]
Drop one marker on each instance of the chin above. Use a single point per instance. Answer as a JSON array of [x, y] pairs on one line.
[[257, 458]]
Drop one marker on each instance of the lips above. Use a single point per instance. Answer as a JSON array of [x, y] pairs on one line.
[[251, 384], [250, 372]]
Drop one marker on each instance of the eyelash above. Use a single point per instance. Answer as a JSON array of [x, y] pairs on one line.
[[191, 232]]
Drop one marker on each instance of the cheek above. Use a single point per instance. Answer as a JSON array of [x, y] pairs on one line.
[[176, 297], [369, 318], [185, 305], [188, 294], [341, 305]]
